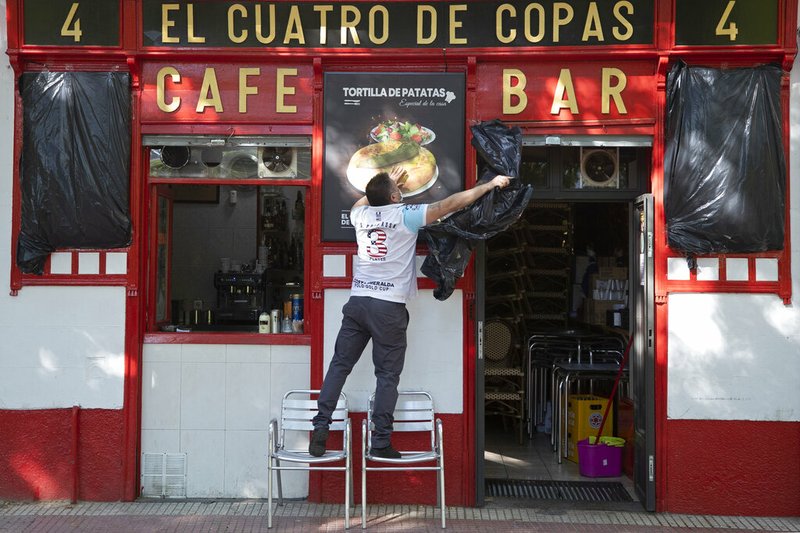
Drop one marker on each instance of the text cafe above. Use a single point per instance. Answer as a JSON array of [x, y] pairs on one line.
[[182, 179]]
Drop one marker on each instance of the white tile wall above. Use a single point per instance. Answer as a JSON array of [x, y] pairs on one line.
[[214, 403], [203, 396], [246, 455], [205, 462], [243, 409], [165, 440], [161, 395]]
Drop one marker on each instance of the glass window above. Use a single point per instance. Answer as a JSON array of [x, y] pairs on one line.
[[535, 167], [230, 162], [227, 251]]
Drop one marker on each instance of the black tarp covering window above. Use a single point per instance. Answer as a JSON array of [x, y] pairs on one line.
[[724, 166], [75, 163]]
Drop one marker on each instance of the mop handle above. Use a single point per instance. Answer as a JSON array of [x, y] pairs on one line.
[[614, 389]]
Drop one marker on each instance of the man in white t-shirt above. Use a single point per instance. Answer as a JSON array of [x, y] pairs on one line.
[[384, 278]]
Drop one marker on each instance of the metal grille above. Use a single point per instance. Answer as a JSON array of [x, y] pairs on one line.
[[576, 491], [164, 475]]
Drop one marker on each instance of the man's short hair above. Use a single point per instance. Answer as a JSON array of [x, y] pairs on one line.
[[379, 189]]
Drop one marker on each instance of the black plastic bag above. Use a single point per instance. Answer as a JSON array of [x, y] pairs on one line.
[[74, 177], [724, 166], [451, 241]]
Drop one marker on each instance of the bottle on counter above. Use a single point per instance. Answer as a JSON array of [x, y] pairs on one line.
[[263, 322]]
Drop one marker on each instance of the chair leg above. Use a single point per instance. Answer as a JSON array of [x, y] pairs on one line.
[[269, 492], [441, 490], [363, 492], [347, 495], [280, 485]]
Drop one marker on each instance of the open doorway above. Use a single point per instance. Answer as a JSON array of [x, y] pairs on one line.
[[563, 272]]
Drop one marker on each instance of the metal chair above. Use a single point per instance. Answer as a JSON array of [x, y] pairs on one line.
[[297, 411], [413, 413]]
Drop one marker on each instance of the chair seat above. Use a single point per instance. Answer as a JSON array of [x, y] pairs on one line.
[[305, 457], [407, 457]]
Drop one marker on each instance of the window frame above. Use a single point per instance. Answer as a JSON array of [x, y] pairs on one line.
[[152, 334]]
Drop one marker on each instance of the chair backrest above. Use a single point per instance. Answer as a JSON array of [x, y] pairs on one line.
[[500, 347], [299, 407], [413, 413]]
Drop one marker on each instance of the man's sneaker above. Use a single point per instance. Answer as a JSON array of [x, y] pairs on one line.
[[385, 453], [318, 440]]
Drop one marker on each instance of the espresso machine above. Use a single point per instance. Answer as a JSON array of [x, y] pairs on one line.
[[241, 296]]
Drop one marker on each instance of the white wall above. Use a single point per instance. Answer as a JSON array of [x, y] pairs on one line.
[[214, 403], [434, 357], [62, 346], [737, 356]]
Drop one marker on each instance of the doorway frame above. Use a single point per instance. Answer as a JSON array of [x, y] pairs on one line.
[[631, 199]]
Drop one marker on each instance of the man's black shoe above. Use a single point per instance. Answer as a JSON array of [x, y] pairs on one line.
[[318, 440], [385, 453]]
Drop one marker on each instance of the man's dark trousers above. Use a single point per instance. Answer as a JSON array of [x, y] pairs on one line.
[[385, 323]]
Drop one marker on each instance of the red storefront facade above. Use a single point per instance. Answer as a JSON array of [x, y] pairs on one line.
[[551, 68]]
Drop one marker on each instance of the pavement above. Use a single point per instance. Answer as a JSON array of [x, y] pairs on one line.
[[244, 516]]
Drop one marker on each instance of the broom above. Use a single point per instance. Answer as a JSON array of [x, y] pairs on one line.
[[613, 391]]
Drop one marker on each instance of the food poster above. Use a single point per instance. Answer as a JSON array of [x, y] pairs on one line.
[[376, 121]]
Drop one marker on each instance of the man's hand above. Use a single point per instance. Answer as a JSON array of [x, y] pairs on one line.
[[459, 200], [501, 181], [398, 175]]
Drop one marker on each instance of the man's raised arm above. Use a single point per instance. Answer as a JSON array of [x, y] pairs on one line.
[[462, 199]]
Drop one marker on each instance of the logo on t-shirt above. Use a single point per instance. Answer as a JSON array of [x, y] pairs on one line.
[[377, 243]]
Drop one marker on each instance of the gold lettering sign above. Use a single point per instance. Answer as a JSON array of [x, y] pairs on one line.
[[167, 23], [282, 90], [613, 91], [426, 19], [613, 82], [455, 24], [175, 76], [503, 12], [217, 23], [564, 97], [209, 86], [628, 33], [560, 19], [244, 89], [514, 82]]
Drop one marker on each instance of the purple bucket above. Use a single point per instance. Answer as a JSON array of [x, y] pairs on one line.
[[599, 460]]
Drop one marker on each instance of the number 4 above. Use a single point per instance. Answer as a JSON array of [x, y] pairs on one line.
[[71, 20], [731, 30]]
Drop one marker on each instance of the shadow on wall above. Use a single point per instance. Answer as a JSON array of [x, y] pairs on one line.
[[733, 357]]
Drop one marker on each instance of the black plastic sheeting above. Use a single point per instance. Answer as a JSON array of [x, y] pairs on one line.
[[75, 163], [724, 166], [451, 241]]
